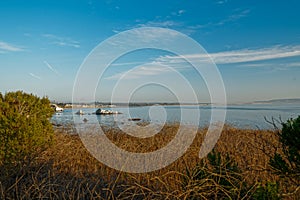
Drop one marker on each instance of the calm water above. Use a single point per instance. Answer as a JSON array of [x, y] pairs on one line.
[[241, 116]]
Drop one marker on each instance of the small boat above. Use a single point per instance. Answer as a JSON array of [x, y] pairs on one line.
[[56, 108]]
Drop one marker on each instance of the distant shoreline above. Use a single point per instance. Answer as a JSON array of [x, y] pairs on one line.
[[108, 105], [140, 104]]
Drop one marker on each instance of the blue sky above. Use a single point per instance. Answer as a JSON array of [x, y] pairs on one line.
[[255, 45]]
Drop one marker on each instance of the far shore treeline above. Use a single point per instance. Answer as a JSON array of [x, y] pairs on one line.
[[130, 104]]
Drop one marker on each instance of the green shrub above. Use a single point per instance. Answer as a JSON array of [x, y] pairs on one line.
[[25, 128], [267, 192], [288, 163], [217, 177]]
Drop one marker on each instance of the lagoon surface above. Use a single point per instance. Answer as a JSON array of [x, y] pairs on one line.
[[240, 116]]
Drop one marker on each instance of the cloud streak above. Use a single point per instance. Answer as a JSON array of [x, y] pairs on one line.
[[277, 66], [241, 56], [222, 2], [35, 76], [234, 17], [231, 18], [246, 57], [127, 63], [60, 41], [150, 69], [163, 24], [179, 13], [167, 22], [51, 68], [6, 47]]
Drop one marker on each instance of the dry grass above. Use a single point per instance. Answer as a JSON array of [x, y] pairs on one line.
[[68, 171]]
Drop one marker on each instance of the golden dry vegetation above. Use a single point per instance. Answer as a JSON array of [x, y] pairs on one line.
[[68, 171]]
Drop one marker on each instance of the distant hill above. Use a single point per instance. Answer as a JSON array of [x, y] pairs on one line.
[[296, 100]]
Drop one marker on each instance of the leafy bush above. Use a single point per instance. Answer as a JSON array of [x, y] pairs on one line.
[[288, 164], [218, 178], [267, 192], [25, 128]]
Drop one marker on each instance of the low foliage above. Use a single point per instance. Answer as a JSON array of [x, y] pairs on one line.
[[218, 177], [288, 163], [270, 191], [238, 168], [25, 128]]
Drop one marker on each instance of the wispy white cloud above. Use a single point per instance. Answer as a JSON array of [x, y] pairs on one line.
[[61, 41], [172, 24], [178, 13], [151, 36], [35, 76], [149, 69], [152, 23], [127, 63], [231, 18], [165, 22], [156, 35], [234, 17], [160, 23], [6, 47], [222, 2], [169, 22], [277, 66], [116, 31], [245, 57], [249, 55], [242, 55], [51, 68], [293, 64]]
